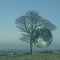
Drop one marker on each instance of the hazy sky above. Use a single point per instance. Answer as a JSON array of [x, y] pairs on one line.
[[12, 9]]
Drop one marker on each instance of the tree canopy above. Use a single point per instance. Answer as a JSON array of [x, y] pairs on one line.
[[32, 21]]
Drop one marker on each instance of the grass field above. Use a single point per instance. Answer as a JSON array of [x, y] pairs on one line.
[[36, 56]]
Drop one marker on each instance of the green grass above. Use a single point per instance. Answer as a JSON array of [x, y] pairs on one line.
[[36, 56]]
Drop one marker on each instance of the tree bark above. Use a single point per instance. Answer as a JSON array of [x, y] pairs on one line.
[[31, 46]]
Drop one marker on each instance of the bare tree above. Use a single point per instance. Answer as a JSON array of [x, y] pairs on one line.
[[30, 22]]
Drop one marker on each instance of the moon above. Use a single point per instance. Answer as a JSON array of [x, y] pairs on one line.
[[43, 38]]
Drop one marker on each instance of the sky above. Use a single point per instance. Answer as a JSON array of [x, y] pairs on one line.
[[12, 9]]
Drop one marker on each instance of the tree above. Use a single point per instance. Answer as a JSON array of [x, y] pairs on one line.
[[30, 22]]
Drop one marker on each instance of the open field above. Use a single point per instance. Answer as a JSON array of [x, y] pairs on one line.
[[36, 56]]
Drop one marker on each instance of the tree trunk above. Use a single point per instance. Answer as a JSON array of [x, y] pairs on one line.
[[31, 46], [31, 43]]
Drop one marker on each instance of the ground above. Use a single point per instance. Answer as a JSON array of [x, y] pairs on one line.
[[35, 56]]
